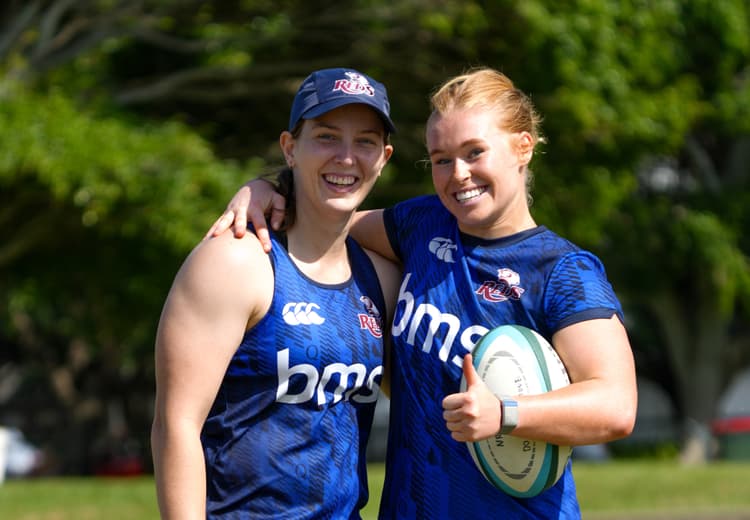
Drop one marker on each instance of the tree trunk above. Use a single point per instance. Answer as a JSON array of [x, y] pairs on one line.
[[696, 336]]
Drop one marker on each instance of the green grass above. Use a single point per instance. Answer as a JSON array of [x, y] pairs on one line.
[[79, 499], [643, 487], [629, 489]]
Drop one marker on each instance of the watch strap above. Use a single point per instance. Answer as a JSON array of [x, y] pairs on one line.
[[509, 411]]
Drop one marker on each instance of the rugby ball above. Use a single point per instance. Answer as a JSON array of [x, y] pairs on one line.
[[514, 360]]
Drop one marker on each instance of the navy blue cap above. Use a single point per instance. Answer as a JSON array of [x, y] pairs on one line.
[[326, 89]]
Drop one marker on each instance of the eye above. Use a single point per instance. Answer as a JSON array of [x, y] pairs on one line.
[[367, 141], [475, 152], [325, 137], [440, 161]]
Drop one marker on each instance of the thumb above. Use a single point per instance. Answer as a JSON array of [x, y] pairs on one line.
[[470, 373]]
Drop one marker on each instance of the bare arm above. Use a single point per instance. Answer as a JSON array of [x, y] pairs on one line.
[[599, 405], [368, 229], [213, 300], [257, 198], [389, 274]]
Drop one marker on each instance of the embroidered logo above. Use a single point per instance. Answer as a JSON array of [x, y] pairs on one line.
[[372, 321], [357, 85], [443, 248], [302, 313], [506, 287]]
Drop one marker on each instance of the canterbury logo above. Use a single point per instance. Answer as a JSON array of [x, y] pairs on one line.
[[443, 248], [302, 313]]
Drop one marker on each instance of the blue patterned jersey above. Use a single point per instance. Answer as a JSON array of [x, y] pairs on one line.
[[455, 288], [286, 435]]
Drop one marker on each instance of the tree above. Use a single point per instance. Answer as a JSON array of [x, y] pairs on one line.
[[97, 211], [126, 124], [647, 109]]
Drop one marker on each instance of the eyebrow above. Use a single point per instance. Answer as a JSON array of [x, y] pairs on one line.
[[320, 124], [464, 144]]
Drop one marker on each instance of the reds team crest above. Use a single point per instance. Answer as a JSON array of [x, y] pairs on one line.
[[506, 287], [372, 321], [357, 85]]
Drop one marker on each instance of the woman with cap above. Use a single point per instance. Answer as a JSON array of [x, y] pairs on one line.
[[474, 258], [268, 366]]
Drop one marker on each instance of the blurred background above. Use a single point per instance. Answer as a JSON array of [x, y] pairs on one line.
[[126, 126]]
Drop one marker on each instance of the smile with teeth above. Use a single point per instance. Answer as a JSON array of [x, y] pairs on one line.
[[463, 196], [341, 180]]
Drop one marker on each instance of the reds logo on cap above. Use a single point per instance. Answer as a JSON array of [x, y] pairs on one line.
[[356, 84], [327, 89]]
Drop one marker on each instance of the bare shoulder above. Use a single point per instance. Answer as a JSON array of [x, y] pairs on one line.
[[230, 250], [225, 254], [227, 269]]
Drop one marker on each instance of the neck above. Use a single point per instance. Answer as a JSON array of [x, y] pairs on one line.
[[319, 250]]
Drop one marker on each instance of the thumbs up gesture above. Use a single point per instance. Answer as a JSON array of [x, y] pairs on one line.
[[473, 414]]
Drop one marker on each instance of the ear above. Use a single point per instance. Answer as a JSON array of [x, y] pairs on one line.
[[387, 152], [287, 142], [524, 147]]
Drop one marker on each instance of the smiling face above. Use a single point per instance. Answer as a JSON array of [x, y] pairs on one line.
[[479, 171], [336, 158]]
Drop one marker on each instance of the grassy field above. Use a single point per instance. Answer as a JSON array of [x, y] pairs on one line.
[[616, 490]]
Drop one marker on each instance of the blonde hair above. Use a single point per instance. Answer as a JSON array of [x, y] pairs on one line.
[[493, 90]]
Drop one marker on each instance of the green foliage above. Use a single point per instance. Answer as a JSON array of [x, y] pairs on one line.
[[699, 250], [82, 186], [123, 179], [125, 127], [96, 213]]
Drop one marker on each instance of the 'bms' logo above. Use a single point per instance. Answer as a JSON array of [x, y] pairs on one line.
[[356, 84], [372, 320], [341, 381], [507, 287]]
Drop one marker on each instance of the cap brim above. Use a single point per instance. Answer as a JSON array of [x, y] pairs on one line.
[[322, 108]]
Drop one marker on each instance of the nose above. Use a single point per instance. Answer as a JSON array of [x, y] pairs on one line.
[[461, 171], [345, 154]]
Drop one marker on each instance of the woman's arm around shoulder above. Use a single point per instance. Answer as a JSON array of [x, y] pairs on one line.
[[368, 229], [224, 287]]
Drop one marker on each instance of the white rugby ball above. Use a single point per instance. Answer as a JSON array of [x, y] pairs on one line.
[[514, 360]]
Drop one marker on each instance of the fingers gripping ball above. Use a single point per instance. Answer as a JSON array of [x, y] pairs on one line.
[[514, 360]]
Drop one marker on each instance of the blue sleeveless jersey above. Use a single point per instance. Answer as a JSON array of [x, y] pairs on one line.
[[287, 433], [455, 288]]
